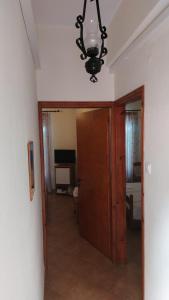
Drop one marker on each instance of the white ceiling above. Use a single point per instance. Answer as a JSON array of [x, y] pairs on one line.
[[64, 12]]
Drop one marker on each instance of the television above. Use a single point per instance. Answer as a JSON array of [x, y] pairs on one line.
[[64, 156]]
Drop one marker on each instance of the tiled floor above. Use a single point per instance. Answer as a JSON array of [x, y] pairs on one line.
[[76, 270]]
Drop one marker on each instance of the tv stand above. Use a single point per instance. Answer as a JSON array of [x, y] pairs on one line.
[[64, 177]]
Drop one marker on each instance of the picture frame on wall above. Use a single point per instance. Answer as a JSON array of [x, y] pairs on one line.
[[30, 147]]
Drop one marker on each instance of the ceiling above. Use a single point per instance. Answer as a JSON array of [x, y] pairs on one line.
[[64, 12]]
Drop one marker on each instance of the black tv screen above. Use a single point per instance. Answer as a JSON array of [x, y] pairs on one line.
[[65, 156]]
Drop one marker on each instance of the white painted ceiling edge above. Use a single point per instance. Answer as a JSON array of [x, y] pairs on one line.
[[153, 19], [30, 27]]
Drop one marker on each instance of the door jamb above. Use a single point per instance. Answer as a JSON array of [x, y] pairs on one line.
[[135, 95]]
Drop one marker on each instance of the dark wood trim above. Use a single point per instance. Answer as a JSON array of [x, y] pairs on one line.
[[113, 185], [110, 217], [134, 96], [142, 195], [43, 189], [74, 104]]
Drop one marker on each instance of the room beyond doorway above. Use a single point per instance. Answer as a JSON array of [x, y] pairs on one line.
[[81, 105]]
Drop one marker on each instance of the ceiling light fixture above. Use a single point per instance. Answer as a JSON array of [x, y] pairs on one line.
[[90, 42]]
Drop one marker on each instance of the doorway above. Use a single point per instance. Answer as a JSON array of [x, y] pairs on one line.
[[116, 206], [96, 188], [128, 160]]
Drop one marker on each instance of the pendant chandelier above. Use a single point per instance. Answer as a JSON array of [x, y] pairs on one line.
[[92, 42]]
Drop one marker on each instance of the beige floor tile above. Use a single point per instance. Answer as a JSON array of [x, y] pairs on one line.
[[76, 270]]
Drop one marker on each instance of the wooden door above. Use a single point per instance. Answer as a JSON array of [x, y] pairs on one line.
[[93, 144], [119, 180]]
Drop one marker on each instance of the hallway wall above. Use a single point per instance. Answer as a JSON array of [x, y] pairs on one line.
[[21, 259], [148, 64]]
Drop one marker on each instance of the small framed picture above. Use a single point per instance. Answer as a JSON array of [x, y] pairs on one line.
[[31, 169]]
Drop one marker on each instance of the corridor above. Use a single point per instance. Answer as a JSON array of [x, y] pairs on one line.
[[76, 270]]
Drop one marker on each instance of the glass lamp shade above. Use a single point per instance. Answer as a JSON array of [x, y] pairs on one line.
[[92, 41]]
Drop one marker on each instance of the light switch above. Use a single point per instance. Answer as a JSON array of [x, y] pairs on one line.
[[148, 168]]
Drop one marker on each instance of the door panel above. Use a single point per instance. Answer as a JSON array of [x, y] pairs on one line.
[[120, 174], [93, 140]]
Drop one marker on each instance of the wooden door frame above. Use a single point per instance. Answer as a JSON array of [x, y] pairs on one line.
[[64, 104], [134, 96]]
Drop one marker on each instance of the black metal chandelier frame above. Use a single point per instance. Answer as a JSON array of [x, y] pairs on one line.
[[93, 65]]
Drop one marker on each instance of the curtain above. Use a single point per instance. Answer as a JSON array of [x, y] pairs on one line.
[[133, 143], [47, 149]]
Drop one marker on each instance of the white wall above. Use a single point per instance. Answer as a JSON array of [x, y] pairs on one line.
[[148, 64], [62, 75], [83, 110], [64, 129], [21, 259]]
